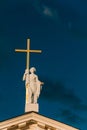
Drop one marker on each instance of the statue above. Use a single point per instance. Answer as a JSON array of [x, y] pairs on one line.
[[33, 85]]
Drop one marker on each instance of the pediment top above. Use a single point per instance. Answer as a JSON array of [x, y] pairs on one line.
[[34, 118]]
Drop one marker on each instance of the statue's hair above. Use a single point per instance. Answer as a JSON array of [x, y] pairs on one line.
[[32, 68]]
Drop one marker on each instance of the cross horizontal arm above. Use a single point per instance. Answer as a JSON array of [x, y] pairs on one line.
[[37, 51], [19, 50]]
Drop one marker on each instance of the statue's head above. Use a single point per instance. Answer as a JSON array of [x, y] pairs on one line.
[[32, 69]]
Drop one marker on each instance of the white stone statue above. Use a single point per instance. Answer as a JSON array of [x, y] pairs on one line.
[[33, 86]]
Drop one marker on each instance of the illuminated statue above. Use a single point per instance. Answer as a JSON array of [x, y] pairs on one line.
[[33, 85]]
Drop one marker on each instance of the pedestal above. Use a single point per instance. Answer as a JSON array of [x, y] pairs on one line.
[[31, 107]]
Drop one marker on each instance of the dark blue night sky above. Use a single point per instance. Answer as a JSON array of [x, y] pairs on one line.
[[59, 29]]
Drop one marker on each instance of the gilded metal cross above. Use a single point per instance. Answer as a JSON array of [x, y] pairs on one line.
[[28, 51]]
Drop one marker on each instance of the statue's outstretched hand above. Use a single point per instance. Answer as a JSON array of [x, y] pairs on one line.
[[42, 83]]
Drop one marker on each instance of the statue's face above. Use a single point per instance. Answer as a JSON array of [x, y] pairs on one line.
[[32, 70]]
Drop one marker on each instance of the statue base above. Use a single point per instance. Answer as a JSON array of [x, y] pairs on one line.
[[31, 107]]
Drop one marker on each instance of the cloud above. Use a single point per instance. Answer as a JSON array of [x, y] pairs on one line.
[[69, 106], [45, 9], [65, 15], [71, 117], [57, 92], [81, 107], [50, 12]]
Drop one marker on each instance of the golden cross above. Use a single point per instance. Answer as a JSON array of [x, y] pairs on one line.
[[28, 52]]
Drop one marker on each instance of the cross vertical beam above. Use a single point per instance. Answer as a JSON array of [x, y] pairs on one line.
[[28, 55]]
